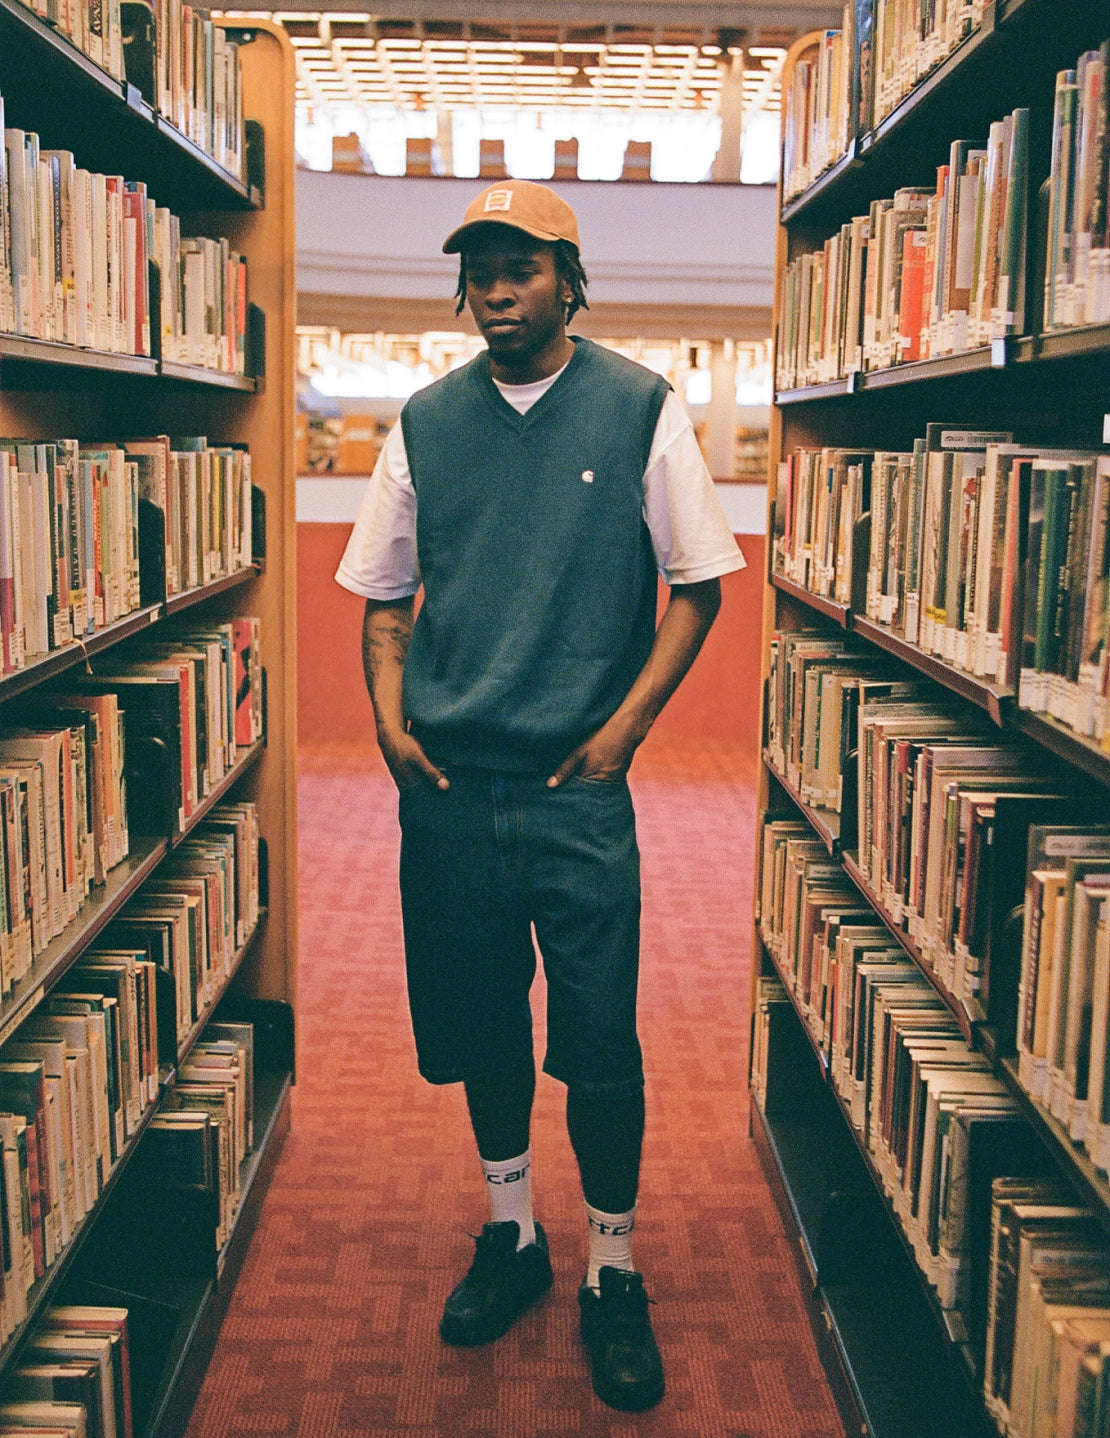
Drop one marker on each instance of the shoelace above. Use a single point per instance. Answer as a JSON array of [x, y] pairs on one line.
[[627, 1307], [489, 1256]]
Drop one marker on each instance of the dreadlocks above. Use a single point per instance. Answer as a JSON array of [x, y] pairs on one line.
[[568, 267]]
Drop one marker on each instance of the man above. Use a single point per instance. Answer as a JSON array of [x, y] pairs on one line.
[[533, 493]]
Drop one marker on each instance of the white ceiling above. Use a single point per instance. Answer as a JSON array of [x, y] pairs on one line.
[[796, 16], [531, 67], [651, 56]]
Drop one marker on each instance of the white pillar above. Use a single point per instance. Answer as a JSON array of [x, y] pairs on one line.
[[445, 139], [726, 162], [720, 417]]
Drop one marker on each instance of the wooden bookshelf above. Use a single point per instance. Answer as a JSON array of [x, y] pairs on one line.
[[968, 89], [996, 699], [840, 614], [886, 1376], [951, 1333], [107, 116], [967, 1013], [1032, 360], [226, 786], [1073, 748], [206, 1017], [189, 598], [891, 1362], [830, 389], [943, 367], [157, 1256], [49, 352], [48, 1288], [824, 822], [197, 374], [123, 882], [1090, 1182]]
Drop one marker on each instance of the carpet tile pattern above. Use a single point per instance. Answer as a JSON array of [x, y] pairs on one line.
[[332, 1330]]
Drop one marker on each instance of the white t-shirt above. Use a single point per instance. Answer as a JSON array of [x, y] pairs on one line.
[[690, 535]]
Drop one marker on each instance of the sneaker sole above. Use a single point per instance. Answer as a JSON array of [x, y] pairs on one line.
[[625, 1402]]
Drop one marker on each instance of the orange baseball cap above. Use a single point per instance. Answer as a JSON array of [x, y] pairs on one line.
[[523, 205]]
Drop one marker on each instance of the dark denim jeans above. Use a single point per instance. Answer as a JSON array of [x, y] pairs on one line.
[[481, 864]]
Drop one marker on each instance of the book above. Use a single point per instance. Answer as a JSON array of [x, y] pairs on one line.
[[1058, 260], [926, 272], [19, 1222], [113, 976], [23, 1095], [78, 246], [101, 1012], [66, 1375], [52, 1416], [177, 1150], [1023, 1211], [67, 1142], [78, 1320]]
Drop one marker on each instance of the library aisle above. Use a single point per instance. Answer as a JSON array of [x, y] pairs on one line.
[[331, 1331]]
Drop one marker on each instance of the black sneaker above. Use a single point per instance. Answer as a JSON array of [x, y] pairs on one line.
[[627, 1369], [501, 1284]]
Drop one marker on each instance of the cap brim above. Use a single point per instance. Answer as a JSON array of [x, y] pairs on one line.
[[455, 241]]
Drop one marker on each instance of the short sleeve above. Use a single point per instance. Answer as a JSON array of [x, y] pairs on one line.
[[380, 559], [690, 535]]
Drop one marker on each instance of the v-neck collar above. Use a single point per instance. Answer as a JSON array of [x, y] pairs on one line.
[[513, 416]]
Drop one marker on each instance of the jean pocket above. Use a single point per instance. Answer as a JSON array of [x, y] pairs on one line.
[[408, 792]]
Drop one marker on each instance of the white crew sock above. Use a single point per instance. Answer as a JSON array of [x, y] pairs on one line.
[[610, 1242], [509, 1185]]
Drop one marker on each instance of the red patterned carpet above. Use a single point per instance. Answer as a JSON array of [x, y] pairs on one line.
[[332, 1328]]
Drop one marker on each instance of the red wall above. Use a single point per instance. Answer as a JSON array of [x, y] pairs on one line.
[[718, 699]]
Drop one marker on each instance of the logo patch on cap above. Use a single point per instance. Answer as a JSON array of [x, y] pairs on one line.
[[498, 200]]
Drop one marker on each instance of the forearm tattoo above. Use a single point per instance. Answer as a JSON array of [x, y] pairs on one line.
[[385, 643]]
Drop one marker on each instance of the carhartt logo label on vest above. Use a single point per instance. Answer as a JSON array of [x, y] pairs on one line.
[[498, 200], [587, 476]]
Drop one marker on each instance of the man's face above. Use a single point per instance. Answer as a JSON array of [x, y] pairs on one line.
[[515, 294]]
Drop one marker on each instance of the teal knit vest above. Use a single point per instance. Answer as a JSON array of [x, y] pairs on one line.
[[537, 566]]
